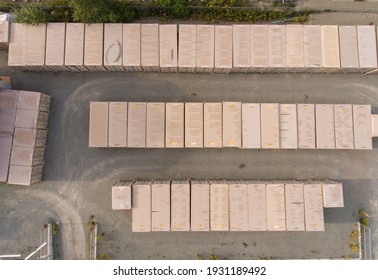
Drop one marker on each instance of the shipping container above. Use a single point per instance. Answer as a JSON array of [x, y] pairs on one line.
[[141, 206], [275, 201], [5, 152], [241, 47], [25, 156], [270, 126], [55, 46], [362, 127], [113, 48], [136, 127], [374, 125], [333, 195], [74, 50], [219, 206], [187, 48], [277, 47], [312, 44], [32, 119], [98, 124], [200, 206], [367, 46], [348, 48], [306, 126], [150, 47], [205, 48], [330, 47], [232, 124], [161, 206], [131, 47], [288, 126], [344, 126], [121, 195], [257, 219], [4, 33], [25, 175], [325, 126], [35, 47], [295, 212], [223, 49], [212, 119], [238, 203], [17, 45], [295, 47], [259, 47], [30, 100], [117, 124], [168, 47], [194, 125], [314, 213], [251, 129], [180, 205], [26, 137], [94, 47], [155, 135], [174, 125]]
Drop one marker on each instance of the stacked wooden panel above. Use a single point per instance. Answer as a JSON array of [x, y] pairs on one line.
[[241, 48], [131, 47], [168, 47], [121, 195], [55, 46], [74, 49], [187, 48], [93, 47], [113, 46], [161, 205], [150, 47], [223, 49]]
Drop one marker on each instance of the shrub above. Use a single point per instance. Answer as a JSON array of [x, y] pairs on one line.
[[31, 14]]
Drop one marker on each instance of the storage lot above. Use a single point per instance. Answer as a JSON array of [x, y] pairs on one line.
[[78, 179]]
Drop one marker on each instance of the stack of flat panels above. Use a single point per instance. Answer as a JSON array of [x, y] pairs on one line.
[[374, 125], [136, 127], [141, 206], [238, 203], [187, 48], [314, 213], [117, 132], [200, 205], [312, 43], [270, 127], [219, 206], [94, 47], [257, 218], [330, 48], [367, 46], [161, 205], [232, 124], [333, 195], [275, 201], [194, 125], [251, 129], [113, 46], [55, 46], [348, 48], [288, 126], [150, 47], [155, 135], [35, 47], [174, 128], [277, 47], [98, 124], [121, 195], [325, 126], [212, 125], [259, 48], [241, 48], [4, 33], [17, 45], [306, 126], [344, 126], [295, 212], [205, 48], [223, 49], [362, 127], [295, 48], [180, 205], [74, 50], [168, 47], [131, 47]]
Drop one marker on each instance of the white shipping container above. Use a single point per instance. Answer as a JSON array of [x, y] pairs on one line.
[[136, 127], [74, 50], [312, 46], [257, 219], [180, 205], [155, 135], [348, 47], [232, 124], [212, 117], [55, 45], [36, 46], [150, 47], [93, 47], [113, 46], [168, 47], [238, 201], [98, 124], [223, 48], [295, 214], [200, 206], [330, 46], [333, 195], [174, 125], [325, 126], [270, 127], [277, 46], [187, 47], [314, 213], [241, 47], [121, 195], [161, 206], [344, 126], [17, 44], [141, 207], [251, 129], [117, 124], [306, 126], [294, 46], [219, 206], [131, 46], [367, 46], [205, 48], [275, 201], [193, 125], [362, 127], [259, 46], [288, 126]]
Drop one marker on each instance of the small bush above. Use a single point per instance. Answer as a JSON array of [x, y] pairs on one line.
[[31, 14], [103, 256]]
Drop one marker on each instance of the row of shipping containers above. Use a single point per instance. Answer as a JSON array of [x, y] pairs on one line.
[[230, 124], [192, 48], [24, 119], [232, 205]]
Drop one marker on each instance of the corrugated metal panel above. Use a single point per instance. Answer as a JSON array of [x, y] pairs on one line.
[[219, 206], [194, 125], [136, 127], [314, 213], [141, 207], [312, 46], [295, 48], [117, 124], [94, 45], [306, 126], [325, 126], [98, 124], [161, 206], [150, 47], [55, 44], [4, 32], [362, 127], [333, 195], [330, 46], [259, 46], [31, 119], [205, 48], [344, 126], [200, 206], [270, 131], [348, 47], [5, 152], [113, 48], [25, 175], [251, 129], [238, 201], [131, 46], [374, 121], [288, 126], [242, 47], [74, 51], [212, 117], [257, 219], [232, 124], [187, 47], [121, 196], [275, 201], [26, 137], [36, 45], [168, 47], [17, 44], [180, 205], [223, 48], [174, 125], [155, 125], [295, 214], [367, 46], [277, 46]]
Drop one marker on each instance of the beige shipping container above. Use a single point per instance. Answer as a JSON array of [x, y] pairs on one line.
[[5, 152], [131, 47], [288, 126], [275, 201], [113, 46], [98, 124], [219, 206], [180, 205], [205, 48], [362, 127], [259, 47], [174, 125], [257, 218], [94, 47], [333, 195], [74, 50], [168, 47], [325, 126], [200, 206], [150, 47], [55, 46], [161, 206], [35, 47], [223, 49], [194, 125], [295, 212], [277, 46], [187, 47], [238, 203], [374, 125], [117, 124], [251, 129], [294, 46], [367, 46], [348, 47], [25, 175], [212, 117], [314, 213], [32, 119], [232, 124], [141, 206], [241, 47], [136, 126], [330, 47], [17, 44], [121, 195], [31, 100], [312, 44], [306, 126], [4, 32], [27, 137], [270, 127], [344, 126], [155, 135]]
